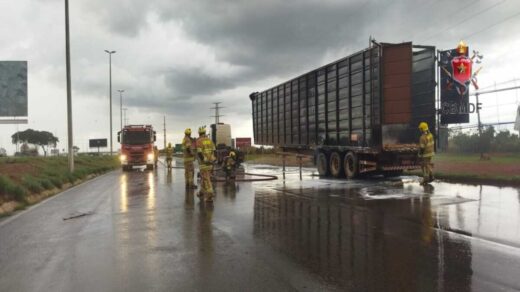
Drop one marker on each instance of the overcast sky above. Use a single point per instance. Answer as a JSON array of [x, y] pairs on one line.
[[176, 57]]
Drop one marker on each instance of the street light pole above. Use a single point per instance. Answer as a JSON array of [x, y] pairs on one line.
[[110, 94], [69, 92], [124, 114], [121, 106]]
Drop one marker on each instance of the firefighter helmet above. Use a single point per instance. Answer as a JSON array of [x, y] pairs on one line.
[[232, 154], [187, 131], [423, 126], [202, 130], [169, 145]]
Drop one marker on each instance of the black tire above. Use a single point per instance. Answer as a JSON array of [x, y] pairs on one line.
[[336, 165], [322, 164], [351, 165], [149, 167]]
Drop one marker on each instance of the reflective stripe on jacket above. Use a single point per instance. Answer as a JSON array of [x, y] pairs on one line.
[[187, 149], [169, 152], [206, 148]]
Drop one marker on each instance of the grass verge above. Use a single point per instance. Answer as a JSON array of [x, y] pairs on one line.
[[499, 169], [25, 181]]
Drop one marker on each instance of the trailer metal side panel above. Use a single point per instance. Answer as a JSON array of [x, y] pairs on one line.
[[369, 99], [409, 73], [397, 88]]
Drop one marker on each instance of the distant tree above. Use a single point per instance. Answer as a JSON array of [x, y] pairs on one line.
[[474, 143], [43, 139], [489, 141], [506, 142]]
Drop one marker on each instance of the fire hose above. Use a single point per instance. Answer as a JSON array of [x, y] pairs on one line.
[[260, 177]]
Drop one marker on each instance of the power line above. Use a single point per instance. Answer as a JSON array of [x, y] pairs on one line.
[[501, 83], [493, 25], [470, 17], [482, 125]]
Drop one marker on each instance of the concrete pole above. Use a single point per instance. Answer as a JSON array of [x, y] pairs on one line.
[[121, 107], [164, 128], [110, 95], [69, 91]]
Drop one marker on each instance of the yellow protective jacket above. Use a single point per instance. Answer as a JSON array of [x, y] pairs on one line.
[[205, 152], [169, 152], [187, 149], [426, 145]]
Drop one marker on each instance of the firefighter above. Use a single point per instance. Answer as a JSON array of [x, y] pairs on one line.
[[229, 165], [426, 152], [206, 157], [155, 155], [169, 156], [189, 157]]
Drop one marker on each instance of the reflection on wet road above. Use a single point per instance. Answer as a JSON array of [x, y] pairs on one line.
[[146, 232]]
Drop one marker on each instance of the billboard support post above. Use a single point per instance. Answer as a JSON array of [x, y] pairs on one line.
[[69, 94]]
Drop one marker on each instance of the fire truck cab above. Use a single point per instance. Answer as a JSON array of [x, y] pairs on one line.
[[137, 146]]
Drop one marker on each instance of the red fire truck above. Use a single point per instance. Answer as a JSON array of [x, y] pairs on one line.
[[137, 142]]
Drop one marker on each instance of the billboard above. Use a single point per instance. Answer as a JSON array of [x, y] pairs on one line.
[[242, 142], [97, 143], [456, 76], [13, 89]]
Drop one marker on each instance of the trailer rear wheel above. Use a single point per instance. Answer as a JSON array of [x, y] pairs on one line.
[[336, 165], [322, 164], [351, 165]]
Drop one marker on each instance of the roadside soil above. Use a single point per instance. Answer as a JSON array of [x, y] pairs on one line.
[[500, 169]]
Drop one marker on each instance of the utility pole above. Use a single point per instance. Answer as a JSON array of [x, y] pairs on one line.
[[110, 94], [217, 112], [479, 125], [121, 106], [69, 91], [164, 128]]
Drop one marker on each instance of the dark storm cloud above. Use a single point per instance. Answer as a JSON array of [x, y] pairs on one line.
[[126, 17], [192, 82], [269, 36], [282, 39]]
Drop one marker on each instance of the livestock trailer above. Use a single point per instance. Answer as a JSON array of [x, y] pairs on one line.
[[356, 115]]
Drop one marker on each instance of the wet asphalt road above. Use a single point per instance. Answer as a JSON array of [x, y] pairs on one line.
[[143, 232]]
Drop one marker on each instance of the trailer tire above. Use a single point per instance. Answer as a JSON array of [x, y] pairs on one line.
[[322, 164], [336, 164], [351, 165]]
